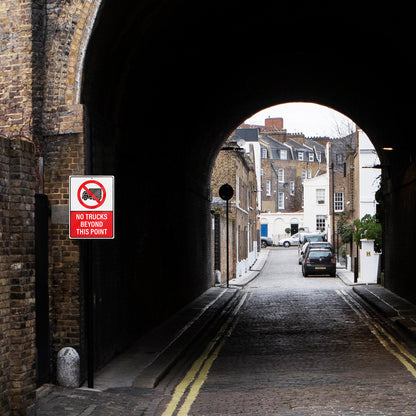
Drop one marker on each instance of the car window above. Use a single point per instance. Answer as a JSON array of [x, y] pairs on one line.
[[320, 244], [320, 254], [314, 238]]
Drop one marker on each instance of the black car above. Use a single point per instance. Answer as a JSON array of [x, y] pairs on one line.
[[312, 244], [309, 237], [319, 261]]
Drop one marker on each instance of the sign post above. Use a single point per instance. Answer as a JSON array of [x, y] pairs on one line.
[[226, 192], [91, 217], [91, 207]]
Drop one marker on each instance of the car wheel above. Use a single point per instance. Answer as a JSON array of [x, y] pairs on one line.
[[286, 244], [263, 244]]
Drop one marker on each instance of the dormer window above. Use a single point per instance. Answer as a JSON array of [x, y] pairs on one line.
[[300, 156], [263, 153], [283, 154]]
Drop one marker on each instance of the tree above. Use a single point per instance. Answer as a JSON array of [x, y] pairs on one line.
[[344, 229], [369, 228]]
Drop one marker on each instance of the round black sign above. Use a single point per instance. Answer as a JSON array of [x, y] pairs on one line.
[[226, 192]]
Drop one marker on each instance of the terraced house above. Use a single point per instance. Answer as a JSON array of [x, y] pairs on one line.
[[287, 159]]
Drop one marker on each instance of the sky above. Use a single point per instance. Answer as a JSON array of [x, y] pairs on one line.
[[307, 118]]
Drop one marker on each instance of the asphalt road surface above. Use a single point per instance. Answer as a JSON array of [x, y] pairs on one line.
[[297, 346]]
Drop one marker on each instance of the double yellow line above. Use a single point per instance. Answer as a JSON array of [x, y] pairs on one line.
[[393, 346], [188, 389]]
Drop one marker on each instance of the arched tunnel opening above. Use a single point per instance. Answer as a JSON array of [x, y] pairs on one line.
[[164, 86]]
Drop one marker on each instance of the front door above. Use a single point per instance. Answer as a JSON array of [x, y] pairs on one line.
[[294, 228]]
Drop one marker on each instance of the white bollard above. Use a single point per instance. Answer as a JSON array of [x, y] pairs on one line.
[[68, 367]]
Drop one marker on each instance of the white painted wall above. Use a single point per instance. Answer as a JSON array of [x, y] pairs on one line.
[[277, 223], [369, 262], [369, 177], [311, 206], [257, 166]]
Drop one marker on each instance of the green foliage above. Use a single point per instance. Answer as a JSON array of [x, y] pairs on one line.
[[343, 251], [369, 228], [344, 229], [287, 230]]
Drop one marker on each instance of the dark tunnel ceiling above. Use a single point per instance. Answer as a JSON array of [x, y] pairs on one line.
[[221, 60]]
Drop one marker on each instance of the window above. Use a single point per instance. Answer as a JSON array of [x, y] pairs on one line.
[[261, 172], [283, 154], [309, 174], [292, 187], [338, 201], [318, 156], [340, 158], [300, 155], [263, 153], [268, 188], [320, 222], [281, 201], [311, 158], [320, 196], [304, 175], [281, 175]]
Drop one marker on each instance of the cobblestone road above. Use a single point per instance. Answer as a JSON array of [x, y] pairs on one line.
[[299, 346]]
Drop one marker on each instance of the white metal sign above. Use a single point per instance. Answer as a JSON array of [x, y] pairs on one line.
[[91, 207]]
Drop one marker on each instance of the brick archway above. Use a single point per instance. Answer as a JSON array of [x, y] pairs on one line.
[[109, 88]]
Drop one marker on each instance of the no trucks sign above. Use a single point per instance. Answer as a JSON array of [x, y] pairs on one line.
[[91, 207]]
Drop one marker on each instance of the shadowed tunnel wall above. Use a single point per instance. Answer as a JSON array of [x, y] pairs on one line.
[[166, 82]]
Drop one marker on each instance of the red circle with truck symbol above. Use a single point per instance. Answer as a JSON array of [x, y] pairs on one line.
[[91, 194]]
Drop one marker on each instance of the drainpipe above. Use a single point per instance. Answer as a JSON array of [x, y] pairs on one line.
[[332, 205]]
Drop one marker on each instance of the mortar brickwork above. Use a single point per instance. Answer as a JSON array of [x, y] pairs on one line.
[[17, 297], [65, 156], [41, 57], [16, 68]]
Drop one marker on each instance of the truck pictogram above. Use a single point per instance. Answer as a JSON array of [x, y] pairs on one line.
[[97, 192]]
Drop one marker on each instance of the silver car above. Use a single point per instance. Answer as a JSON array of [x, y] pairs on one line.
[[266, 241], [290, 241]]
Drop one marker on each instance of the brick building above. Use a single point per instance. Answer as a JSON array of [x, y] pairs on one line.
[[237, 168], [286, 160], [343, 184]]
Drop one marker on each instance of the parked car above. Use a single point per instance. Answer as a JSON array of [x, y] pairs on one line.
[[319, 261], [312, 244], [306, 237], [266, 241], [290, 241]]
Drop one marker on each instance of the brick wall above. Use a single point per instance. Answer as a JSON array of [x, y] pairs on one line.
[[41, 57], [17, 298], [64, 156], [16, 73]]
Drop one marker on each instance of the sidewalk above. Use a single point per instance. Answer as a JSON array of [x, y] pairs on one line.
[[346, 276], [126, 385], [401, 312], [254, 271]]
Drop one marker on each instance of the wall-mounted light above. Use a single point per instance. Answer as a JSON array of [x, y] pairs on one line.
[[387, 148]]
